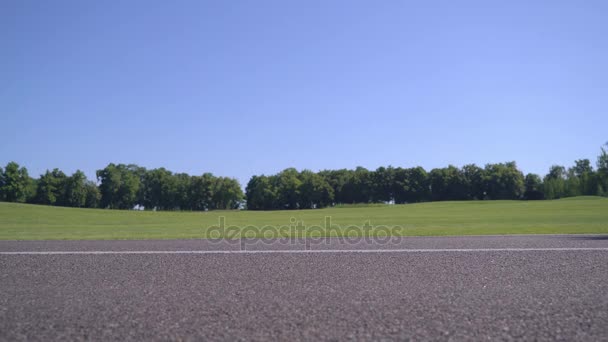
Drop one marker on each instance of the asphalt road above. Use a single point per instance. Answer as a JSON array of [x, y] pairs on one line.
[[452, 288]]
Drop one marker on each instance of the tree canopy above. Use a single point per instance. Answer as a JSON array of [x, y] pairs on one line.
[[127, 186]]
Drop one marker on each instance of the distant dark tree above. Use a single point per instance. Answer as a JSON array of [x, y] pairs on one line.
[[159, 189], [46, 189], [288, 184], [504, 181], [182, 185], [357, 188], [201, 192], [51, 189], [587, 178], [534, 187], [14, 183], [226, 194], [448, 184], [411, 185], [315, 191], [474, 180], [582, 167], [554, 183], [382, 184], [261, 194], [420, 188], [30, 190], [557, 172], [109, 187], [139, 173], [337, 179], [119, 186], [602, 171], [93, 196], [572, 185], [75, 189]]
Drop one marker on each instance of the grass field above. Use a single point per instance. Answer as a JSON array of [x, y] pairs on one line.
[[565, 216]]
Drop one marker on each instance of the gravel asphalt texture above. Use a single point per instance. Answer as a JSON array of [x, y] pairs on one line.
[[557, 289]]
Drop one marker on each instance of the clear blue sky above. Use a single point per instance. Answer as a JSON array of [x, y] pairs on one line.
[[248, 87]]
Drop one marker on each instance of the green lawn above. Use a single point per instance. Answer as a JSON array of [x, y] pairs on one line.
[[565, 216]]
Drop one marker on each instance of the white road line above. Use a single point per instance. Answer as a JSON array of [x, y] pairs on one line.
[[317, 251]]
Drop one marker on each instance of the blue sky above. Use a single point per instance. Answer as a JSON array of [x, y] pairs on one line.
[[249, 87]]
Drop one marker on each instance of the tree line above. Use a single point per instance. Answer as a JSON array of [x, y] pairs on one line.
[[290, 189], [121, 187], [129, 186]]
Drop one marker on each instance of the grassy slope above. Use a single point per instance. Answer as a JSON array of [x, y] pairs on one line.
[[574, 215]]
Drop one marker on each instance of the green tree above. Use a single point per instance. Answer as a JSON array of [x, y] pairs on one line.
[[587, 178], [557, 172], [47, 189], [261, 194], [338, 179], [411, 185], [30, 190], [51, 189], [382, 184], [572, 185], [2, 198], [226, 193], [93, 196], [14, 183], [504, 181], [75, 190], [474, 180], [119, 186], [534, 187], [201, 192], [554, 182], [288, 188], [448, 184], [159, 189], [315, 191], [602, 171], [582, 167], [358, 186], [182, 185]]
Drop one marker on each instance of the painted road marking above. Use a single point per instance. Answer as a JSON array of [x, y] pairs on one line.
[[316, 251]]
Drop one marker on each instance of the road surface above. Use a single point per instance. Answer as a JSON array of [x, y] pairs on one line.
[[448, 288]]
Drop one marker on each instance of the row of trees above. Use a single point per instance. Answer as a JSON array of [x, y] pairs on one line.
[[127, 186], [291, 189], [124, 186], [121, 187]]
